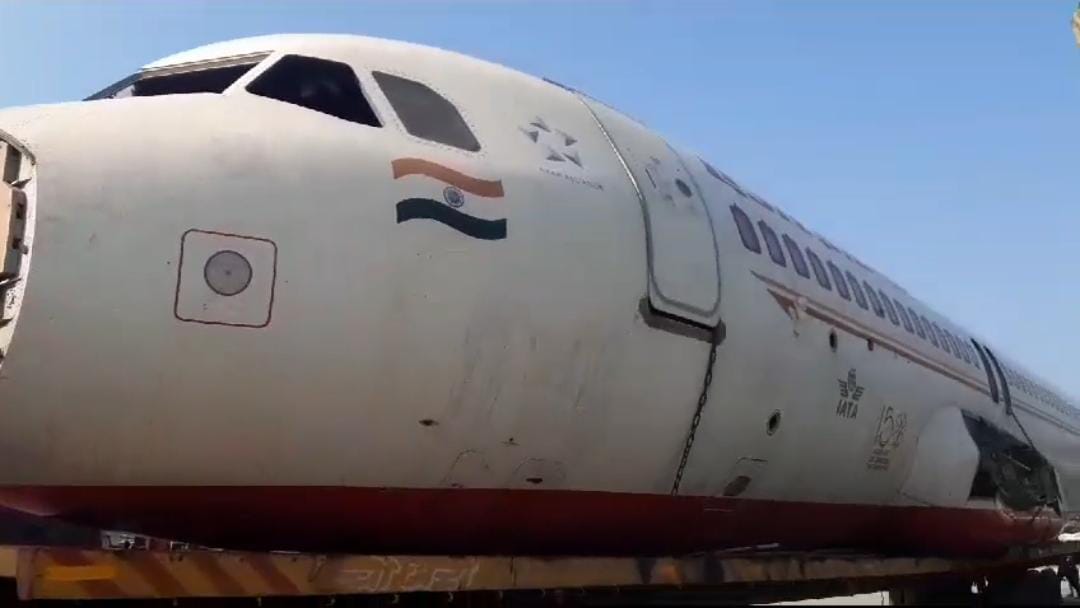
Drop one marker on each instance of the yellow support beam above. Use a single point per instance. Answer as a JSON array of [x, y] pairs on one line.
[[65, 573]]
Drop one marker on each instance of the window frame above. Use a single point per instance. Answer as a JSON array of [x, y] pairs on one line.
[[972, 354], [941, 338], [954, 343], [358, 81], [875, 303], [958, 350], [408, 125], [773, 245], [798, 262], [856, 290], [886, 301], [929, 331], [905, 320], [820, 273], [253, 62], [919, 330], [742, 227], [839, 280]]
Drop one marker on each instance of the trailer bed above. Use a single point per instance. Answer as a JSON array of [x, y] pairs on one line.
[[59, 573]]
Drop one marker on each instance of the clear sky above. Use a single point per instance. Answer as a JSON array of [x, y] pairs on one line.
[[937, 141]]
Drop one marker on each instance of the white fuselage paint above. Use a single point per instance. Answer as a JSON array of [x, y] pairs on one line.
[[523, 357]]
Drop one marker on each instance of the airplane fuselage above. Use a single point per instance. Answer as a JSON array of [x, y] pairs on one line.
[[249, 322]]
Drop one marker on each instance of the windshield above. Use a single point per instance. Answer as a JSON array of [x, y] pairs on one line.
[[206, 78]]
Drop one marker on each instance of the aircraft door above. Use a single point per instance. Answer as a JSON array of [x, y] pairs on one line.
[[683, 269], [991, 365]]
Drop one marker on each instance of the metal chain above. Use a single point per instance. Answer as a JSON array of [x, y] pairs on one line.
[[702, 399]]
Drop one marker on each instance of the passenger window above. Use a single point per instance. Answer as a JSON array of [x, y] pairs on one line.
[[889, 308], [819, 269], [904, 318], [860, 297], [425, 113], [974, 358], [838, 278], [772, 244], [941, 338], [797, 259], [917, 323], [874, 302], [952, 344], [945, 338], [746, 229], [929, 331], [957, 349], [330, 87]]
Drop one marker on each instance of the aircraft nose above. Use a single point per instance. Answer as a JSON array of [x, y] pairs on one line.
[[17, 193]]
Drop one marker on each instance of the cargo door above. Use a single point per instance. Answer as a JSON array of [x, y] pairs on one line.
[[683, 271]]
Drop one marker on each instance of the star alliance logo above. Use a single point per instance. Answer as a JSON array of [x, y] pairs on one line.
[[558, 145]]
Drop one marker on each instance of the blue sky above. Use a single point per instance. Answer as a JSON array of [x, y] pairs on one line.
[[938, 141]]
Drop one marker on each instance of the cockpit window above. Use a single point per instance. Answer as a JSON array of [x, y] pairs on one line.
[[330, 87], [425, 113], [208, 79]]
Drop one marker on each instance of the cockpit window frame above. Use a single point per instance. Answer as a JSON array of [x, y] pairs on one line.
[[395, 88], [254, 76], [255, 61]]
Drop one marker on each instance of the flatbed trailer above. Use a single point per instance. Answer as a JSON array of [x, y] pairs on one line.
[[199, 576]]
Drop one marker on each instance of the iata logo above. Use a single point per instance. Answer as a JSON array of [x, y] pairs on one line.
[[850, 393]]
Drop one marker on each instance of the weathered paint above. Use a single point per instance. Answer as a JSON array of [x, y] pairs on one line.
[[529, 354]]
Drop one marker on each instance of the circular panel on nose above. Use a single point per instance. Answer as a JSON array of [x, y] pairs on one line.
[[227, 273]]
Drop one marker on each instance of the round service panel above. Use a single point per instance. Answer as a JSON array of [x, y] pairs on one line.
[[227, 273]]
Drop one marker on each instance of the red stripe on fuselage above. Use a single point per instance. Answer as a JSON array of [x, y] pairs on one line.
[[488, 521], [786, 298]]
